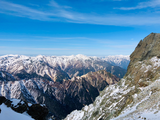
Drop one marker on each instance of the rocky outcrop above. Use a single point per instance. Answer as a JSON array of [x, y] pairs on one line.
[[36, 111], [146, 49]]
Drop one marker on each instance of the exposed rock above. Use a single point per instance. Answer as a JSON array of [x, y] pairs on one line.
[[38, 112], [8, 103], [100, 79], [2, 99], [146, 49], [21, 107]]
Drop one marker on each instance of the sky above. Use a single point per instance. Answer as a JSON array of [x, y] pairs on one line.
[[71, 27]]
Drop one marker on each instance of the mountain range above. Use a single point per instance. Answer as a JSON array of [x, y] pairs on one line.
[[56, 68], [118, 60], [61, 83]]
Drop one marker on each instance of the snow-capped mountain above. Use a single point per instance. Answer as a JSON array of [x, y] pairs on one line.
[[118, 60], [55, 68], [137, 95]]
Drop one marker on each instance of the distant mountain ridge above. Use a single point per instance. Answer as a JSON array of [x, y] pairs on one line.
[[118, 60], [55, 68]]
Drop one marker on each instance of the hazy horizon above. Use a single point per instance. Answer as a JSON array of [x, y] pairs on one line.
[[63, 55]]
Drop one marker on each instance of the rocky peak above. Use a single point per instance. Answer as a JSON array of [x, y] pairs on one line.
[[147, 48]]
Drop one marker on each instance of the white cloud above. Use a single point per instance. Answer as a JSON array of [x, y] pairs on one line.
[[141, 5], [61, 13], [23, 11]]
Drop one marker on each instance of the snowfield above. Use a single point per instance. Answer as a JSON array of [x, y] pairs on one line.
[[8, 114]]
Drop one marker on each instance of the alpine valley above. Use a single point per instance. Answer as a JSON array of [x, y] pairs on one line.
[[62, 84]]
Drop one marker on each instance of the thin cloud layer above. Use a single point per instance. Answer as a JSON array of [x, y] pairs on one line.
[[62, 13], [141, 5]]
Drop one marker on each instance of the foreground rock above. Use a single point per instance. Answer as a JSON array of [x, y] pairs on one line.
[[137, 95], [36, 111]]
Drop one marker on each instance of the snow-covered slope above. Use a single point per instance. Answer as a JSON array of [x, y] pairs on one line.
[[15, 109], [137, 95], [118, 60], [9, 114]]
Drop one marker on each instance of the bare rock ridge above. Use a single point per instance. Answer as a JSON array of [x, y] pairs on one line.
[[100, 79], [146, 49], [136, 95]]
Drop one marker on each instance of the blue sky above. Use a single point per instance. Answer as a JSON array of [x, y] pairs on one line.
[[70, 27]]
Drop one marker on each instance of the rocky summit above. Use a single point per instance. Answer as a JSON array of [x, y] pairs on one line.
[[137, 95]]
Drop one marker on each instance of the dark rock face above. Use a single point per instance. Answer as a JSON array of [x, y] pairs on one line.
[[21, 107], [101, 79], [36, 111], [78, 93], [4, 76], [2, 99]]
